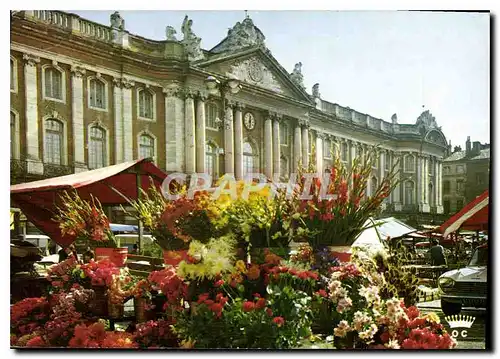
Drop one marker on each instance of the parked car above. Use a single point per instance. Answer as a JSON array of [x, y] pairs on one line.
[[466, 287]]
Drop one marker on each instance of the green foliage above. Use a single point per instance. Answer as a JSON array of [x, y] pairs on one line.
[[399, 281]]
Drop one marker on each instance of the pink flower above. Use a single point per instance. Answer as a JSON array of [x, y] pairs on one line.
[[279, 321], [248, 306]]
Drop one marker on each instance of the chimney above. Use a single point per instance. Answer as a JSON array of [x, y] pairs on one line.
[[468, 147], [449, 148], [476, 148]]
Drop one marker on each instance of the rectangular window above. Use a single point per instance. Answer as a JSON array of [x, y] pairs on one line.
[[480, 178], [12, 75], [97, 94], [284, 135], [211, 114], [446, 187], [327, 150], [460, 169], [460, 186], [446, 170], [343, 152], [53, 84], [460, 204], [387, 164]]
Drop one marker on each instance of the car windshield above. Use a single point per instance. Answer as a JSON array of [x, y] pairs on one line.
[[480, 257]]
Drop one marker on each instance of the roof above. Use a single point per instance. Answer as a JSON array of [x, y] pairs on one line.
[[112, 185], [483, 154], [456, 156], [386, 227]]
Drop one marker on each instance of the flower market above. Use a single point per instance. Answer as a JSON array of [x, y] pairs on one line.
[[241, 265]]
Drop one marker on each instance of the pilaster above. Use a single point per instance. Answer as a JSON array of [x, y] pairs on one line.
[[128, 129], [200, 133], [238, 141], [268, 146], [276, 145], [78, 73], [189, 132], [297, 147], [34, 163], [229, 138]]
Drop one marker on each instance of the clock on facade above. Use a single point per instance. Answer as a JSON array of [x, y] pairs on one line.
[[249, 121]]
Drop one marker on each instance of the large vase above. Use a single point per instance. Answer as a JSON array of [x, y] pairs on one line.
[[342, 253], [99, 304], [173, 258]]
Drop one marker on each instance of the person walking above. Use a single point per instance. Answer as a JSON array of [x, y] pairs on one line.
[[437, 254]]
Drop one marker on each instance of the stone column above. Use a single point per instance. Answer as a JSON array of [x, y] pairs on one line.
[[238, 141], [381, 164], [396, 194], [118, 109], [228, 139], [128, 129], [77, 118], [276, 146], [305, 144], [425, 205], [319, 152], [352, 150], [33, 161], [174, 128], [297, 146], [268, 147], [200, 133], [439, 186], [189, 133]]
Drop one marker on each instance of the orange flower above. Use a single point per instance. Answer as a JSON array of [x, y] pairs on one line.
[[253, 272]]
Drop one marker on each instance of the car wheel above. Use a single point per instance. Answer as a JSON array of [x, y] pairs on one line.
[[449, 308]]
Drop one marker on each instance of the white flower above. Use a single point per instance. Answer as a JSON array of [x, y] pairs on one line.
[[392, 344], [342, 329], [344, 304], [368, 333], [360, 320]]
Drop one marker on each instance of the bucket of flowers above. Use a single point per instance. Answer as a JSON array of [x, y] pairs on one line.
[[337, 208]]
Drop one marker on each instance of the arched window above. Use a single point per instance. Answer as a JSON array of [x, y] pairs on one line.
[[53, 150], [53, 83], [146, 104], [211, 160], [409, 163], [13, 135], [211, 114], [409, 190], [146, 146], [374, 185], [248, 158], [97, 147], [284, 167], [97, 94]]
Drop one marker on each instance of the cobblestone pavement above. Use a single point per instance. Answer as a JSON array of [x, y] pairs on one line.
[[475, 335]]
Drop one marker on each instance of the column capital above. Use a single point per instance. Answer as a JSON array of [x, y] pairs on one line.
[[202, 96], [77, 71], [321, 135], [188, 93], [172, 90], [230, 104], [238, 106], [123, 82], [304, 123], [31, 60]]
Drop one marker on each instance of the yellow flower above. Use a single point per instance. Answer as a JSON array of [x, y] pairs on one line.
[[241, 267], [188, 344], [432, 317]]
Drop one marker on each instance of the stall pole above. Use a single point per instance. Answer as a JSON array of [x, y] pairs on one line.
[[139, 224]]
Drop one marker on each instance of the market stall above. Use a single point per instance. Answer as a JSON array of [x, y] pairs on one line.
[[112, 185]]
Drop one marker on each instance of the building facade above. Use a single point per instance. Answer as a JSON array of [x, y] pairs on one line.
[[85, 95], [465, 175]]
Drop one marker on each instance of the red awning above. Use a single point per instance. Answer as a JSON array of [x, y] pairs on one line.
[[37, 200], [474, 216]]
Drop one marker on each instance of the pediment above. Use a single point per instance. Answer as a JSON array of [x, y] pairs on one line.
[[257, 69]]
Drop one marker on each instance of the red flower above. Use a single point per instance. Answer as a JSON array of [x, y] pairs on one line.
[[248, 306], [209, 302], [261, 303], [36, 342], [218, 283], [279, 321], [384, 337], [256, 295], [269, 312], [322, 293], [202, 297]]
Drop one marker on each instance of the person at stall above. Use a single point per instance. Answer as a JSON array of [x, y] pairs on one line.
[[436, 253], [67, 252], [135, 250]]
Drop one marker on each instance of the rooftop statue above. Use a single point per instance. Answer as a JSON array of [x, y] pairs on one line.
[[296, 76], [241, 35], [427, 119], [117, 22], [191, 41], [170, 32]]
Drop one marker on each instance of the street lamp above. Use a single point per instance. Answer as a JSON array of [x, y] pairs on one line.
[[214, 86]]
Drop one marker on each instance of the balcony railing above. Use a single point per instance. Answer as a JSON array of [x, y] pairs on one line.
[[19, 170], [52, 170]]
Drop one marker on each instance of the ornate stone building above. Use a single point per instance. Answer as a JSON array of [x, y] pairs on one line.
[[86, 95]]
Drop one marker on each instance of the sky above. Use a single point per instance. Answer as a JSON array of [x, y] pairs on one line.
[[376, 62]]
